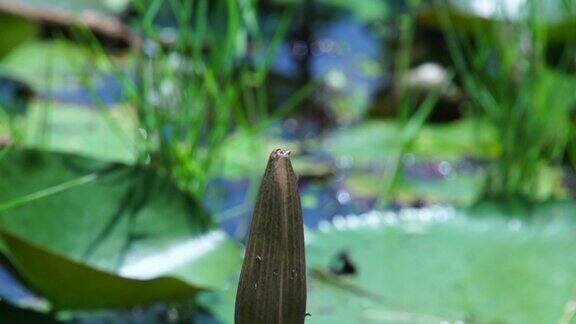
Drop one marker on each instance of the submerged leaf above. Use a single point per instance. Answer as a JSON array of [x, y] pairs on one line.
[[272, 286]]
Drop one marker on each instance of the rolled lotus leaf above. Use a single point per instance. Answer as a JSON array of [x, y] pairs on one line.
[[272, 286]]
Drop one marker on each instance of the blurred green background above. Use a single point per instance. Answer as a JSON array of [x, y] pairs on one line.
[[435, 144]]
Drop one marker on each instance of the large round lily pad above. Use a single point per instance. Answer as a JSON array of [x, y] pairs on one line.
[[437, 265], [90, 234]]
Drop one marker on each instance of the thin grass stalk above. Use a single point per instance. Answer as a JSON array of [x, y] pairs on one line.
[[513, 93], [409, 126]]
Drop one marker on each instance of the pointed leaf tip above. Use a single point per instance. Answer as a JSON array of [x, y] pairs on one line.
[[280, 153], [272, 286]]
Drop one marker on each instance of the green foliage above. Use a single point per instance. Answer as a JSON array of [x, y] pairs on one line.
[[96, 234], [82, 130], [411, 114], [480, 270], [15, 30], [77, 129], [458, 188], [242, 154], [92, 234], [450, 142], [190, 91], [557, 17], [508, 78], [366, 11], [47, 65], [15, 315], [434, 265], [73, 285]]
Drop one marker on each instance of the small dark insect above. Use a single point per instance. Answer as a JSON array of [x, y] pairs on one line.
[[343, 265]]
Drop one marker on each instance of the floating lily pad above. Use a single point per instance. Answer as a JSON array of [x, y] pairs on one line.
[[50, 65], [437, 264], [91, 234], [78, 6], [108, 135], [375, 142], [458, 188]]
